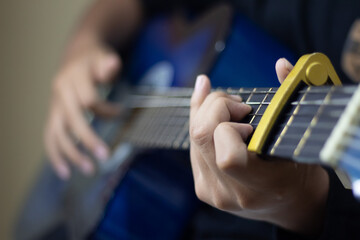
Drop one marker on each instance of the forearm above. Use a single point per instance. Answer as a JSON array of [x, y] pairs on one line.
[[106, 21]]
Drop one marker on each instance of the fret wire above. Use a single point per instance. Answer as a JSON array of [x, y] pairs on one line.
[[313, 122], [141, 130], [334, 102], [258, 108], [283, 132], [251, 94], [153, 122]]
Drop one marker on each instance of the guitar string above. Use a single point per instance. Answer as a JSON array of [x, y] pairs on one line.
[[266, 103], [176, 90], [331, 114]]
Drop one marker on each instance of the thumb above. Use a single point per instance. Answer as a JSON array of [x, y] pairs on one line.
[[283, 68], [201, 90], [106, 66]]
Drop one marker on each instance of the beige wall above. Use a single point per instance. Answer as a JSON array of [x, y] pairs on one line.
[[32, 35]]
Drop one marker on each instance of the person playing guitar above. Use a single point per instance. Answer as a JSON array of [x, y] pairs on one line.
[[298, 199]]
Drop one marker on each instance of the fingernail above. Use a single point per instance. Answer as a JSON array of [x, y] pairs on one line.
[[199, 82], [249, 108], [236, 97], [101, 153]]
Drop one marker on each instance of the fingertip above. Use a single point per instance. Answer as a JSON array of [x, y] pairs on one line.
[[63, 171], [283, 68], [202, 83], [112, 61], [201, 90], [108, 66], [248, 108], [237, 98], [102, 153], [245, 131], [250, 128], [87, 167]]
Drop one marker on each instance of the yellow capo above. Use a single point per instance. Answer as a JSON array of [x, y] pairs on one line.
[[313, 69]]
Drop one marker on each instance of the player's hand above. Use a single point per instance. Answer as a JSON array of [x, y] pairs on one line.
[[229, 177], [74, 92]]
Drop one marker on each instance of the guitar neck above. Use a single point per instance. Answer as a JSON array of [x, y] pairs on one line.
[[161, 118]]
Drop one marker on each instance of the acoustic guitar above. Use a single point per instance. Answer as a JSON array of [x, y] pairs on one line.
[[150, 194]]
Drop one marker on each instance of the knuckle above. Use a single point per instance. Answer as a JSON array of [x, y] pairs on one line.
[[201, 189], [217, 94], [227, 161], [220, 102], [223, 127], [90, 100], [200, 134], [201, 192], [246, 202], [221, 203], [74, 155], [87, 138]]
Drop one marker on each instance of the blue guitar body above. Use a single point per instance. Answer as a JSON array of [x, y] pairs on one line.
[[155, 198]]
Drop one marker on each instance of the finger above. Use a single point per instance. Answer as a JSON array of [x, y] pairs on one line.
[[88, 95], [199, 168], [224, 108], [245, 167], [208, 118], [214, 111], [81, 127], [106, 65], [283, 67], [107, 109], [201, 90], [59, 164], [209, 185], [68, 149], [230, 148]]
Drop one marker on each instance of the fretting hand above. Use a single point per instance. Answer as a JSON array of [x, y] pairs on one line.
[[229, 177]]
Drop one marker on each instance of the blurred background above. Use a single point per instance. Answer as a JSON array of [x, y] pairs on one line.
[[32, 36]]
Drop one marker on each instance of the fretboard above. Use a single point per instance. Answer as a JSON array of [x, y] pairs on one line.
[[160, 118]]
